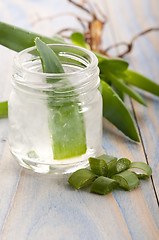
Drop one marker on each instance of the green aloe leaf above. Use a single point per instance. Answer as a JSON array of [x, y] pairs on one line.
[[120, 75], [3, 109], [50, 61], [68, 141], [116, 112], [119, 84], [18, 39], [142, 82], [120, 93], [111, 65], [78, 39]]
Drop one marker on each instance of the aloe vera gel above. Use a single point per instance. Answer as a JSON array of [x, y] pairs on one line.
[[55, 119]]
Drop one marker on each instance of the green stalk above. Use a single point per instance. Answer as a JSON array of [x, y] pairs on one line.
[[66, 123]]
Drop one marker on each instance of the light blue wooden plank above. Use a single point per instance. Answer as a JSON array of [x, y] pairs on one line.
[[9, 172], [146, 61], [115, 144], [148, 66], [48, 207], [3, 135]]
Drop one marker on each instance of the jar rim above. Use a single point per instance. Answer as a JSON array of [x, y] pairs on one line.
[[92, 64]]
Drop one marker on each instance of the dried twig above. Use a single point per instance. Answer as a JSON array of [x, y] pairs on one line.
[[79, 19], [129, 46], [65, 30], [80, 5], [93, 28]]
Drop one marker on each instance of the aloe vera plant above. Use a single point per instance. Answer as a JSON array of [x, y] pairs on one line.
[[113, 71]]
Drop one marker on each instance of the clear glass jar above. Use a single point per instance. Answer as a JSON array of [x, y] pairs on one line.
[[55, 120]]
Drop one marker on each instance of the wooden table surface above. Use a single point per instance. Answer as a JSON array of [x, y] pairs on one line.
[[34, 206]]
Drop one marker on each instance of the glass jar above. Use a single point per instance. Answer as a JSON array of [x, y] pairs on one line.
[[55, 120]]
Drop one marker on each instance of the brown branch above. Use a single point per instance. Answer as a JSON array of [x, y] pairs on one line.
[[92, 12], [93, 28], [119, 44], [66, 30], [79, 6], [131, 44], [144, 32], [79, 19], [82, 23], [64, 36]]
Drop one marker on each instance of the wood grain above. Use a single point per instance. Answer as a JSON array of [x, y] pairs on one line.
[[34, 206], [144, 119]]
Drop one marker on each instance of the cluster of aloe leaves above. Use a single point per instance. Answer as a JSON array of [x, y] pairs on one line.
[[114, 74], [108, 173]]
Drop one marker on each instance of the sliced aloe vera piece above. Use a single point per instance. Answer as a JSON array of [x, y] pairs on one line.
[[98, 166], [66, 122], [121, 165], [81, 178], [127, 180], [111, 162], [103, 185], [142, 169], [107, 165]]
